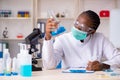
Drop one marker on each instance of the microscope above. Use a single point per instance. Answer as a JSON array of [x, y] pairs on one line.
[[32, 40]]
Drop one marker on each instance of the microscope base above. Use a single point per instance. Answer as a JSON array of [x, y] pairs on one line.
[[34, 68]]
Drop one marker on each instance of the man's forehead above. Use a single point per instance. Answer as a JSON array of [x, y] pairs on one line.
[[83, 19]]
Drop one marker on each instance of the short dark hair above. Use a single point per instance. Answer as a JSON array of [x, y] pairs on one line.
[[93, 17]]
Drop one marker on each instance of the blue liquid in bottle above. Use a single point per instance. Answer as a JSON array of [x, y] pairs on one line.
[[26, 70], [1, 54]]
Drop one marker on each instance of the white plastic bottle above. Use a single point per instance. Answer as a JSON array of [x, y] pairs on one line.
[[18, 62], [19, 55], [1, 52], [6, 55], [14, 66], [8, 67], [26, 64], [1, 67]]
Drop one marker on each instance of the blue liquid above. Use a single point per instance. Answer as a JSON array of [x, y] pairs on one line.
[[1, 54], [59, 65], [14, 73], [78, 71], [60, 29], [1, 74], [26, 70]]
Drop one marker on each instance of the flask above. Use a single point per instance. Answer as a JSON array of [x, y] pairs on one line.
[[60, 29]]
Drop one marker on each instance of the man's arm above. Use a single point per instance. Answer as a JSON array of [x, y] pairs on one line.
[[51, 55], [111, 54]]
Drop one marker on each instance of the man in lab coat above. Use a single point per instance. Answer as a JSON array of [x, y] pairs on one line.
[[82, 47]]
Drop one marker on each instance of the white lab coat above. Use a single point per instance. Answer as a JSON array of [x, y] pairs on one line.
[[74, 53]]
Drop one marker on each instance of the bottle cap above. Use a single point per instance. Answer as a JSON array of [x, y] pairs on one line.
[[1, 74], [14, 73], [8, 74]]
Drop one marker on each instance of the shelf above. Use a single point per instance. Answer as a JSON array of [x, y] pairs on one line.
[[58, 18], [12, 18], [12, 39]]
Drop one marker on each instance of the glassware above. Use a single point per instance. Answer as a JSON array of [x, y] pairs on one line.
[[59, 29]]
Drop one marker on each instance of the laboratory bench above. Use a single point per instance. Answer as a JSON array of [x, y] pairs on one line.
[[58, 75]]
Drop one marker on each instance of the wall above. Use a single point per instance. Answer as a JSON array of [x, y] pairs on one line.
[[14, 24], [13, 47], [95, 5]]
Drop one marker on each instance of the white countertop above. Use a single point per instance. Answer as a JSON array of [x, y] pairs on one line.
[[58, 75]]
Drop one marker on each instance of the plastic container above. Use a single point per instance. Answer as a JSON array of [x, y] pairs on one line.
[[27, 14], [1, 52], [1, 67], [6, 55], [26, 64], [14, 67], [19, 55], [8, 67], [5, 45]]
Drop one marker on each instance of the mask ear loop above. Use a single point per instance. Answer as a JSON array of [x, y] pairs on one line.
[[91, 32]]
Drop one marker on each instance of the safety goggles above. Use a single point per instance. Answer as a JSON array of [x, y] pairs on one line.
[[83, 27]]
